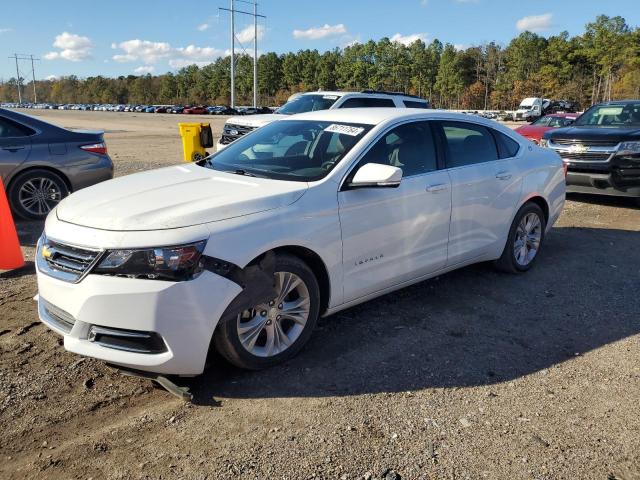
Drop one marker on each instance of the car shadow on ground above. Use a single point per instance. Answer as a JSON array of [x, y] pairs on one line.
[[605, 200], [466, 328]]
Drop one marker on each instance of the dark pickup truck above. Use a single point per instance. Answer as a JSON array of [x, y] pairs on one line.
[[602, 149]]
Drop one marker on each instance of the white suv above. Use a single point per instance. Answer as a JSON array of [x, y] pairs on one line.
[[304, 217], [235, 127]]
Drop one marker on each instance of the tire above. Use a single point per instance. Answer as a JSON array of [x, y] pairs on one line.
[[228, 340], [46, 187], [512, 259]]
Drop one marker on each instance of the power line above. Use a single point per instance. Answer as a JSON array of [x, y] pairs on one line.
[[255, 16]]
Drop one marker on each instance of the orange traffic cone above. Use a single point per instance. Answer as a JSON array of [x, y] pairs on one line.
[[10, 252]]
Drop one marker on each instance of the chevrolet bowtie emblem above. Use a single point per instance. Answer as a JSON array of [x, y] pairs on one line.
[[46, 252], [578, 148]]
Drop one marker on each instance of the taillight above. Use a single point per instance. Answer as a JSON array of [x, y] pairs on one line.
[[565, 167], [100, 148]]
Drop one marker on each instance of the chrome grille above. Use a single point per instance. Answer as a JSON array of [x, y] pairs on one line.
[[586, 143], [232, 132], [585, 157], [63, 261]]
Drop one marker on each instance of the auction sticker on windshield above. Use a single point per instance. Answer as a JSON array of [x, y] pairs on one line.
[[344, 129]]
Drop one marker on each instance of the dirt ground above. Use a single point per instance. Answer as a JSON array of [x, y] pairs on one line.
[[470, 375]]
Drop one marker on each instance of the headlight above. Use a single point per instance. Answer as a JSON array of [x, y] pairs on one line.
[[629, 148], [176, 263], [544, 142]]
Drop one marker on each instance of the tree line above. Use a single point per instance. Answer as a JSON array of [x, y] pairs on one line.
[[602, 63]]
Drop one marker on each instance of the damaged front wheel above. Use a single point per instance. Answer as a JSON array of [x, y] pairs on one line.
[[276, 329]]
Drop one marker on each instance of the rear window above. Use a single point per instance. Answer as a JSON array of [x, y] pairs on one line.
[[11, 129], [507, 147], [365, 102], [415, 104], [468, 144]]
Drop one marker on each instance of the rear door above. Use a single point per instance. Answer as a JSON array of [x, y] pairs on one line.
[[392, 235], [15, 145], [485, 189]]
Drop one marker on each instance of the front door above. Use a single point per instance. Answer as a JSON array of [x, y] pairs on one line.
[[392, 235]]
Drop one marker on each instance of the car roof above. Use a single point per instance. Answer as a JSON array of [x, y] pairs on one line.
[[620, 102], [375, 116], [563, 115]]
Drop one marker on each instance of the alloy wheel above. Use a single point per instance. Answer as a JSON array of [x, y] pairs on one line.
[[270, 328], [38, 196], [527, 239]]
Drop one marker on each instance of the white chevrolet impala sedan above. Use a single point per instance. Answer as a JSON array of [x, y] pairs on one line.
[[306, 216]]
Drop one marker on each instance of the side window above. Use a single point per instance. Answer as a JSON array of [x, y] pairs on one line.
[[507, 147], [468, 144], [11, 129], [415, 104], [367, 102], [410, 147]]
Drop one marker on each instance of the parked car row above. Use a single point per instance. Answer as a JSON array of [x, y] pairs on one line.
[[107, 107]]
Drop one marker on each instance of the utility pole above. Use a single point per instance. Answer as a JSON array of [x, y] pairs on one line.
[[33, 76], [255, 16], [15, 56], [24, 56]]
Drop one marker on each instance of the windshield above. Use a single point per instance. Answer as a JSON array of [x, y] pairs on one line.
[[553, 122], [307, 103], [626, 115], [298, 150]]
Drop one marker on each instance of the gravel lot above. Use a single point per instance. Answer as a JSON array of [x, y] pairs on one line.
[[473, 374]]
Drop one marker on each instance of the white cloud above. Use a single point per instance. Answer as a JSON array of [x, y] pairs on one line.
[[409, 39], [5, 30], [459, 46], [70, 47], [535, 23], [144, 69], [424, 3], [316, 33], [246, 35], [51, 77], [150, 53], [202, 27]]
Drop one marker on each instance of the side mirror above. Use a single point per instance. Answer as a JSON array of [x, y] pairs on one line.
[[376, 175]]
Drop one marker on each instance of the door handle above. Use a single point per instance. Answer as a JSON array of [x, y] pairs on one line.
[[13, 148], [438, 187], [503, 175]]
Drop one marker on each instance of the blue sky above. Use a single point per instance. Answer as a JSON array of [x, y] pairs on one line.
[[117, 37]]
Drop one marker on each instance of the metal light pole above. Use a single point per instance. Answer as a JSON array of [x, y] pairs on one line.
[[233, 56], [255, 54], [255, 16]]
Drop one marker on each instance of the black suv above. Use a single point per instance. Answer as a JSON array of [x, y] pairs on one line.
[[602, 149]]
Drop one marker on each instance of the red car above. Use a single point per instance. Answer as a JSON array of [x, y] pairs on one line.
[[199, 110], [535, 130]]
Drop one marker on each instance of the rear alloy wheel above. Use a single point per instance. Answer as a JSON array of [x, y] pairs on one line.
[[274, 331], [33, 194], [525, 239]]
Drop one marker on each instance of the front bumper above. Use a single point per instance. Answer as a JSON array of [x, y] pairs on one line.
[[601, 183], [183, 314]]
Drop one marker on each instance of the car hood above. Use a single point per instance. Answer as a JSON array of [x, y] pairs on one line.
[[255, 121], [578, 132], [174, 197], [532, 130]]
